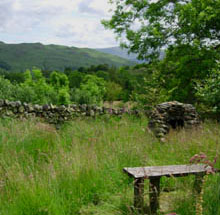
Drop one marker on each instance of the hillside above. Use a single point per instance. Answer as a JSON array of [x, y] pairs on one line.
[[117, 51], [19, 57]]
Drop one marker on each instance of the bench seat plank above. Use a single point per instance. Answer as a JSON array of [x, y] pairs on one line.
[[172, 170]]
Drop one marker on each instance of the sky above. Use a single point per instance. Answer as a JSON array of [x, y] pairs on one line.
[[64, 22]]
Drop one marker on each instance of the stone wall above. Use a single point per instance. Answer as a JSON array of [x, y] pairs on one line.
[[55, 114], [172, 115]]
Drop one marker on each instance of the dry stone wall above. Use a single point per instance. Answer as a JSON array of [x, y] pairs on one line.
[[172, 115], [55, 114]]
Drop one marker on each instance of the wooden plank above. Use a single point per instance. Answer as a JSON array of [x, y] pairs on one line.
[[172, 170]]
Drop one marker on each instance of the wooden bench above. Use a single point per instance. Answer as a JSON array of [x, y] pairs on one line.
[[154, 173]]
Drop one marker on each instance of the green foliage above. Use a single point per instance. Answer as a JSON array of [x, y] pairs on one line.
[[208, 91], [91, 91], [7, 89], [127, 80], [103, 74], [148, 92], [113, 91], [59, 80], [35, 89], [75, 79], [181, 68], [148, 26], [13, 77], [189, 30], [63, 96]]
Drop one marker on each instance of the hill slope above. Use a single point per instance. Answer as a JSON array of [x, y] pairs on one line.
[[119, 52], [19, 57]]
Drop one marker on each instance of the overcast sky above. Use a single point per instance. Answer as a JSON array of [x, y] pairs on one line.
[[65, 22]]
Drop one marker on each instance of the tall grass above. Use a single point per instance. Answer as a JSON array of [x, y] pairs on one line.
[[78, 169]]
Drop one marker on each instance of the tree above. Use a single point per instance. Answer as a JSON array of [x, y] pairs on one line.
[[75, 79], [208, 91], [60, 83], [7, 90], [35, 89], [146, 26], [189, 30], [182, 67], [59, 80], [113, 91], [91, 91]]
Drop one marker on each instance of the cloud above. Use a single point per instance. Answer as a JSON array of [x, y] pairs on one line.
[[67, 22], [6, 12], [85, 7]]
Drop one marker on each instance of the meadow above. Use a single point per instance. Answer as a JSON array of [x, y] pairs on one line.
[[78, 169]]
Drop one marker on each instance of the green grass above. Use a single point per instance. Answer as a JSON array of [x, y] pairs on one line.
[[78, 169], [19, 57]]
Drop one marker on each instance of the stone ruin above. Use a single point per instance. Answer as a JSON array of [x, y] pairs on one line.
[[172, 115]]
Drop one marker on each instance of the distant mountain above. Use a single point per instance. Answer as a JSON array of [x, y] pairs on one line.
[[19, 57], [118, 51]]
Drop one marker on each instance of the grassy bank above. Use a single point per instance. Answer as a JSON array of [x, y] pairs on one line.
[[78, 169]]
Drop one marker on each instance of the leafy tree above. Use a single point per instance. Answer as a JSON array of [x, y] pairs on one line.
[[149, 25], [208, 91], [7, 89], [113, 91], [103, 74], [188, 29], [75, 79], [127, 81], [13, 77], [148, 89], [63, 97], [181, 68], [59, 80], [39, 91], [60, 83], [91, 91]]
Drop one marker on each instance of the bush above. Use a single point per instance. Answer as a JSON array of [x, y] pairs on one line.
[[91, 91]]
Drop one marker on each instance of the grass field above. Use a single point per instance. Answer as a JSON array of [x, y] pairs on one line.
[[78, 169]]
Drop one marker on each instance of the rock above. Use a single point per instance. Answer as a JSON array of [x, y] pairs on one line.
[[37, 108], [9, 113], [57, 114], [46, 107], [172, 115], [18, 103], [92, 113], [6, 102], [1, 102], [12, 104], [21, 109], [30, 108]]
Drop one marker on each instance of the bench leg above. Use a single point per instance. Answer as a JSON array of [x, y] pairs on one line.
[[198, 189], [198, 183], [139, 194], [154, 194]]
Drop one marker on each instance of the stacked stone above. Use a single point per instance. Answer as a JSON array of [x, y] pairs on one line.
[[56, 114], [164, 114]]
